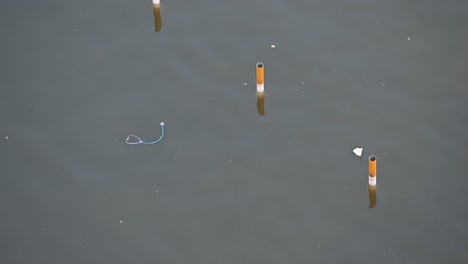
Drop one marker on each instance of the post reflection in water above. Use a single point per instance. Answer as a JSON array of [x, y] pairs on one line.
[[157, 15], [261, 103], [372, 196]]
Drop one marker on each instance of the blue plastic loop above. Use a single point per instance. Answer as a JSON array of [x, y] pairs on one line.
[[139, 141]]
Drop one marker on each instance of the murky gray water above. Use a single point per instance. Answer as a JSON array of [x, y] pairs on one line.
[[226, 185]]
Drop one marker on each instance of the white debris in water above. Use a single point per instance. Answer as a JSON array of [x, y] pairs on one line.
[[273, 46], [245, 83], [6, 137], [358, 151], [302, 82], [409, 38], [121, 221]]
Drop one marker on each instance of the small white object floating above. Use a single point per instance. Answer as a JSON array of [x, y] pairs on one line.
[[358, 151], [273, 46]]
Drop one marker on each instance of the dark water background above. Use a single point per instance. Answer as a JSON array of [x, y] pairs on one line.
[[226, 185]]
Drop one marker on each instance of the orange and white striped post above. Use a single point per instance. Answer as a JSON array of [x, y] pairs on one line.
[[372, 187], [372, 170], [260, 77]]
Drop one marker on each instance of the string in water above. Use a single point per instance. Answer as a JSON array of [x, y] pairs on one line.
[[144, 142]]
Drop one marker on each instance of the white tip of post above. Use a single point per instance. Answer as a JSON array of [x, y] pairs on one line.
[[162, 123], [156, 2], [358, 151]]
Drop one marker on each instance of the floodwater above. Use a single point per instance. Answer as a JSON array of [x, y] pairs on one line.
[[226, 184]]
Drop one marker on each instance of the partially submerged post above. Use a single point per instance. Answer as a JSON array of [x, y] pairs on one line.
[[260, 88], [372, 187]]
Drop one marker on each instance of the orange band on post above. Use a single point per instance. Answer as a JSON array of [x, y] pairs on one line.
[[260, 76], [372, 170]]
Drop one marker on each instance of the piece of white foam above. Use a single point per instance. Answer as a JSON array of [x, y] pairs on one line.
[[358, 151]]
